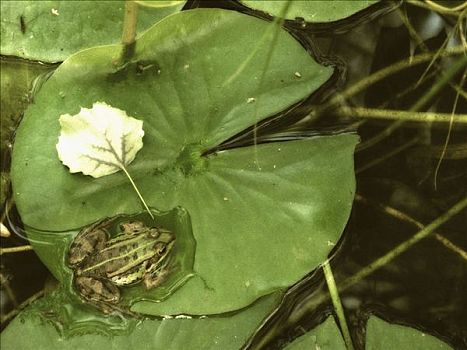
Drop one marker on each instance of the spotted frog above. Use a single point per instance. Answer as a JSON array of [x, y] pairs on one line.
[[101, 264]]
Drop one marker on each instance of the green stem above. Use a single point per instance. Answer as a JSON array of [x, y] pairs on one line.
[[129, 30], [336, 301], [440, 84], [137, 191], [422, 102], [448, 136], [382, 74], [409, 116]]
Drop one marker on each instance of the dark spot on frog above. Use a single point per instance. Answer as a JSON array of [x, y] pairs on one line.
[[135, 256], [83, 203]]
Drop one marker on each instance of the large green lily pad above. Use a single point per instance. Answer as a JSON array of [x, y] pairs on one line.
[[262, 216], [315, 11], [28, 331], [51, 31]]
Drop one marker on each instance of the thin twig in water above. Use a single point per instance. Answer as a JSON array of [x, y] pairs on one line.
[[404, 217], [19, 249], [21, 306]]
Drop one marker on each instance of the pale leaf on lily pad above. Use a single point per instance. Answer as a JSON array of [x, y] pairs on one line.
[[99, 141]]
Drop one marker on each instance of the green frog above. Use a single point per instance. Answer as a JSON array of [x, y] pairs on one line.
[[102, 264]]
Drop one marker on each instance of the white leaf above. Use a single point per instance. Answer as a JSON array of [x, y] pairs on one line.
[[99, 141]]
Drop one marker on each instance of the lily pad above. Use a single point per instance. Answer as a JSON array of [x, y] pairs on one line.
[[50, 31], [262, 216], [228, 332], [379, 335], [326, 336], [311, 11], [17, 85], [383, 335]]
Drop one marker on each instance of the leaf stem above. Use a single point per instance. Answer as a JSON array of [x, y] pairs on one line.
[[137, 191], [336, 301], [129, 30]]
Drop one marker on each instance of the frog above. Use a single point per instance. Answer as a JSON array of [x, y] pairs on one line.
[[102, 264]]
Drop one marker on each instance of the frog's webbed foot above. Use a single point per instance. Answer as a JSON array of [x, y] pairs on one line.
[[89, 240], [101, 294]]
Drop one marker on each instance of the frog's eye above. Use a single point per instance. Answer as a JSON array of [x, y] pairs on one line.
[[154, 233]]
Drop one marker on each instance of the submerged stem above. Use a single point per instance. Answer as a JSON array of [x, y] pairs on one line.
[[422, 102], [404, 246], [409, 116]]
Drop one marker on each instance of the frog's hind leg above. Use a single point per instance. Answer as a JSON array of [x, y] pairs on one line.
[[97, 290], [89, 240]]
